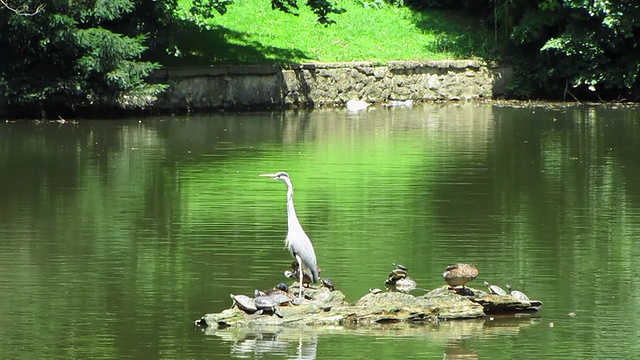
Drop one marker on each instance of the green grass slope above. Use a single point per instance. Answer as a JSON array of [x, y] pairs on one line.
[[252, 33]]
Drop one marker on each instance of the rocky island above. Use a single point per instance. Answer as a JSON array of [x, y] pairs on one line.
[[325, 306]]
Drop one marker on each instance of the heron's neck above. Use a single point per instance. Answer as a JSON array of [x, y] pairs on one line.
[[291, 210]]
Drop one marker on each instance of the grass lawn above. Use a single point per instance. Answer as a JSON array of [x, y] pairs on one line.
[[251, 32]]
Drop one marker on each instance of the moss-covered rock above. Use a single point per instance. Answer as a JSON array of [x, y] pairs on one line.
[[329, 308]]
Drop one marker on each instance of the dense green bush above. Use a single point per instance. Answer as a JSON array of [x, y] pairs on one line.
[[91, 54], [559, 47], [587, 45], [77, 54]]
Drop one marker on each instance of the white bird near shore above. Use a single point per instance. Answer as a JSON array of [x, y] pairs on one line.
[[396, 103], [357, 105]]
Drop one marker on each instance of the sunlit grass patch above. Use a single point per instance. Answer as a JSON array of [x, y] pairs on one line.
[[251, 32]]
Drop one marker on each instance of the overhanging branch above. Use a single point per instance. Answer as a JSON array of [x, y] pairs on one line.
[[22, 10]]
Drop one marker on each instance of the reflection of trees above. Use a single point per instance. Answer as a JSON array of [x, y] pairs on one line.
[[137, 214], [557, 196], [83, 211], [455, 338]]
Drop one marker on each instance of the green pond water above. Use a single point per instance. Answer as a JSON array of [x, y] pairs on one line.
[[115, 235]]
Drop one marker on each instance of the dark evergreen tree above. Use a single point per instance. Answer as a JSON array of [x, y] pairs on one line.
[[75, 54], [88, 54]]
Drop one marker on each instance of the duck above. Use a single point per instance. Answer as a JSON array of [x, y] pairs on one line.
[[459, 275]]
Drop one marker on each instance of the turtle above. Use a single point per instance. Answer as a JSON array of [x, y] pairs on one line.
[[279, 297], [328, 284], [283, 299], [294, 273], [306, 280], [281, 288], [244, 303], [400, 267], [495, 289], [517, 294], [398, 272], [395, 276], [267, 305], [459, 274]]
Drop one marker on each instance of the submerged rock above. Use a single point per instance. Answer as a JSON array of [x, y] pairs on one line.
[[324, 307]]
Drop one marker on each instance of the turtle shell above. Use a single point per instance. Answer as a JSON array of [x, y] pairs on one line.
[[495, 289], [400, 267], [517, 294], [244, 303], [265, 302], [328, 283]]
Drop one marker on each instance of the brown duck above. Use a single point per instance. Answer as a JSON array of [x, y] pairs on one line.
[[459, 274]]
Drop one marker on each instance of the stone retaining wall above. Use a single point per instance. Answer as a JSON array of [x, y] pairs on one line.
[[328, 84]]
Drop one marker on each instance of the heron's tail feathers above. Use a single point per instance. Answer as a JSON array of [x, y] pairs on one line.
[[314, 275]]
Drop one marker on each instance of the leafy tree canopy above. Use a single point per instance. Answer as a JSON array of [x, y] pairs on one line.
[[64, 54], [561, 45]]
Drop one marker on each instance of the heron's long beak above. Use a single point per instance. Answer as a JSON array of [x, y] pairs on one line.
[[268, 175]]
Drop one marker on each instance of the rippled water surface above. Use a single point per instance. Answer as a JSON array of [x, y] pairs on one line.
[[116, 235]]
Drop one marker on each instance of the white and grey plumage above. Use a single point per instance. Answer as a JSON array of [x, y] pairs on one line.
[[297, 240]]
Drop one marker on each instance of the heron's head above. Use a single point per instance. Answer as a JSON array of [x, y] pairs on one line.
[[277, 176]]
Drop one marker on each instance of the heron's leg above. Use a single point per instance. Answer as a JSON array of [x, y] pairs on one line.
[[301, 274]]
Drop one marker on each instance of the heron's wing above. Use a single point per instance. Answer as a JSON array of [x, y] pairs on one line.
[[300, 245]]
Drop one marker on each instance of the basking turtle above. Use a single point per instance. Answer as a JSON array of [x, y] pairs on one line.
[[244, 303], [328, 284], [282, 287], [284, 299], [400, 267], [294, 273], [306, 280], [517, 294], [281, 298], [395, 276], [398, 273], [289, 274], [459, 274], [495, 289], [267, 305]]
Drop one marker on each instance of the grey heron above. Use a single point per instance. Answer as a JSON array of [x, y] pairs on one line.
[[297, 240]]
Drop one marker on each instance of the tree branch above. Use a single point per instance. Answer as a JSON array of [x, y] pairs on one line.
[[22, 10]]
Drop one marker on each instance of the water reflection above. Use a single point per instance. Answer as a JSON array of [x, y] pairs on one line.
[[289, 343], [112, 232], [303, 342]]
